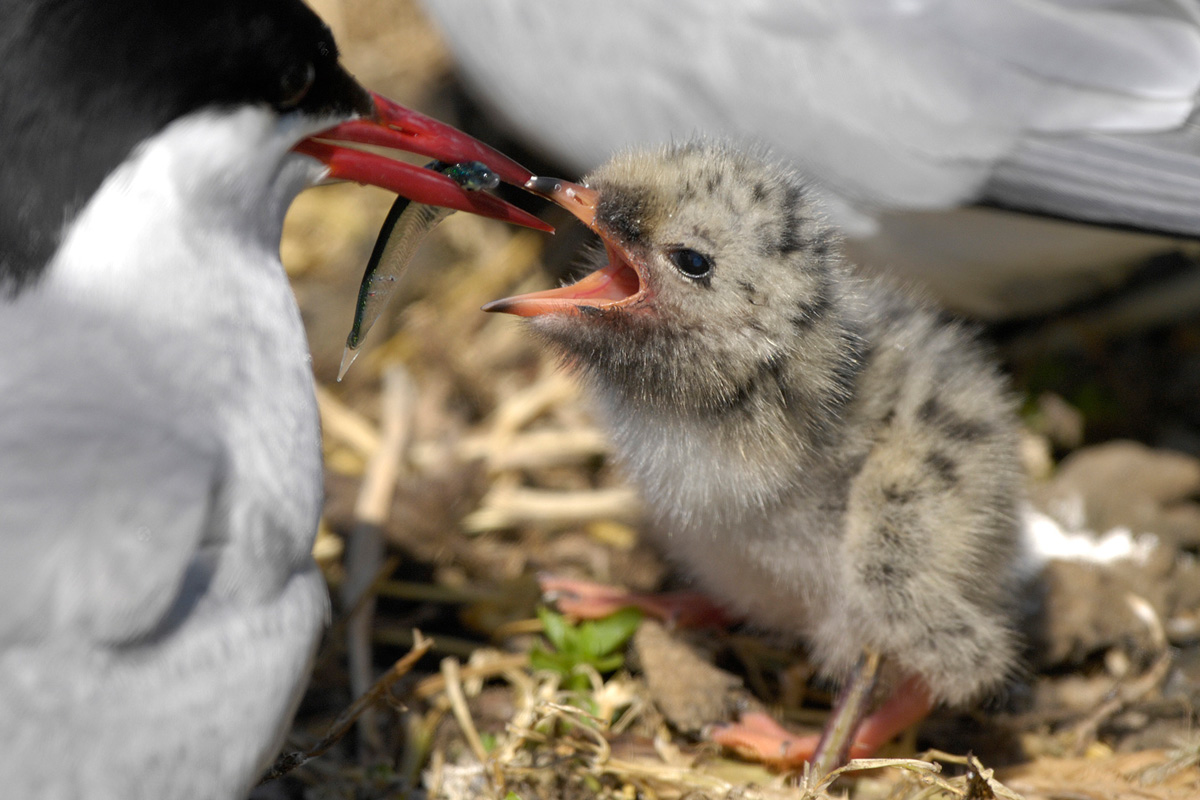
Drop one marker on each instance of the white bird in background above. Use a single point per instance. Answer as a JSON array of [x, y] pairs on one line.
[[906, 112]]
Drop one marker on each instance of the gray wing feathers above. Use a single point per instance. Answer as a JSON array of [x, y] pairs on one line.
[[96, 544], [1129, 55], [1150, 181]]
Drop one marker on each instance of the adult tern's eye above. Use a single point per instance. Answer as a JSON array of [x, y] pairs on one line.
[[294, 85]]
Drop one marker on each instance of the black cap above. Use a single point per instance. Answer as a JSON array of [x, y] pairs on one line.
[[84, 81]]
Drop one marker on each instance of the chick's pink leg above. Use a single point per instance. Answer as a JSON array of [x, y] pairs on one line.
[[590, 600], [907, 706]]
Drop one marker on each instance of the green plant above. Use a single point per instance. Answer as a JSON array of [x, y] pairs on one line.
[[595, 643]]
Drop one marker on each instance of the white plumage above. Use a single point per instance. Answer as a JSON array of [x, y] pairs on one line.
[[160, 433], [902, 110]]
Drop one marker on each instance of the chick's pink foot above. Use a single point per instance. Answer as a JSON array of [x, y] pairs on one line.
[[590, 600], [759, 737]]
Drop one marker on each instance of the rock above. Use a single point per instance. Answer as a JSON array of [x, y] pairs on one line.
[[690, 692], [1086, 611], [1058, 421]]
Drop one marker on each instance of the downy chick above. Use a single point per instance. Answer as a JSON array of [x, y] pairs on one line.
[[824, 454]]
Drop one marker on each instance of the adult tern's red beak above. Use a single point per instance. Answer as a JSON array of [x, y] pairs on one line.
[[400, 128]]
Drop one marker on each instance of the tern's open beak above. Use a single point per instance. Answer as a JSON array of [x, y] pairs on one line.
[[618, 284], [401, 128]]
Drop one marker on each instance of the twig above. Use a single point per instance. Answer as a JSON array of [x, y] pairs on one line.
[[436, 684], [289, 761], [458, 705], [1124, 693], [1121, 696], [402, 637], [813, 785], [1184, 757], [364, 550], [550, 391], [344, 424], [513, 506], [529, 450], [987, 775], [379, 481], [337, 631]]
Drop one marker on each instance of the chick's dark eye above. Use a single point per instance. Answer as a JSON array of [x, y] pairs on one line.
[[691, 263]]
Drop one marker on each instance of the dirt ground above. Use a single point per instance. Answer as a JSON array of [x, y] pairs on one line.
[[460, 463]]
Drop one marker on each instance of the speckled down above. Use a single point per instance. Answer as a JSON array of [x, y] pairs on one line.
[[819, 450]]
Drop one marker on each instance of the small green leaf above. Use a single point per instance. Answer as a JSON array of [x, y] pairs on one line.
[[611, 632], [610, 663], [596, 643], [541, 658], [554, 625], [576, 682]]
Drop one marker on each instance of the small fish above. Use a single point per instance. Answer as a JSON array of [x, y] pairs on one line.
[[406, 226]]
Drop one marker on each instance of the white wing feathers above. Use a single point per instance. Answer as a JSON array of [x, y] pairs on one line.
[[910, 104]]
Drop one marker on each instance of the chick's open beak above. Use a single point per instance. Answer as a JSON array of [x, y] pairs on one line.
[[399, 128], [617, 284]]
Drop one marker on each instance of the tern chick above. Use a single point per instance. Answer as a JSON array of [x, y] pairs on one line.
[[826, 455]]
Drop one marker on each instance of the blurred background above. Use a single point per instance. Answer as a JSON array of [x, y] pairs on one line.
[[461, 462]]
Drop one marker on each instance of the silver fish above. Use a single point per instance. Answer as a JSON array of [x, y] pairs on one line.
[[403, 231]]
